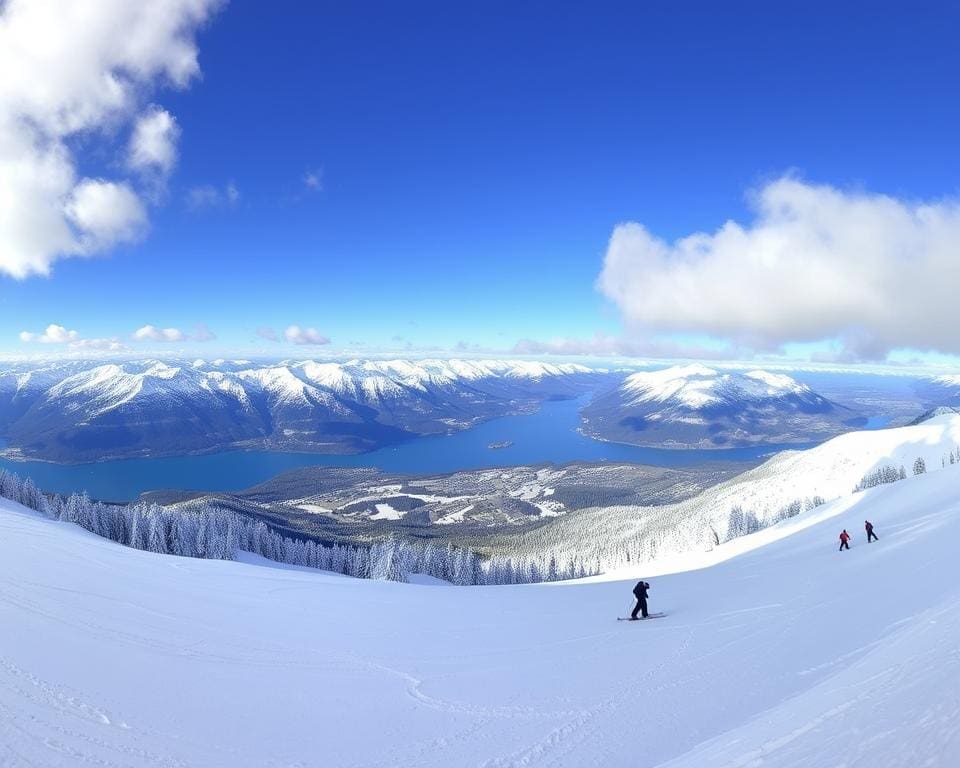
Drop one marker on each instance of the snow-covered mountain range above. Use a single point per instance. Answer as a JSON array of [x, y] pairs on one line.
[[694, 406], [79, 411]]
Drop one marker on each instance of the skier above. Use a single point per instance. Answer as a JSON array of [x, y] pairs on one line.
[[640, 592], [844, 540], [871, 536]]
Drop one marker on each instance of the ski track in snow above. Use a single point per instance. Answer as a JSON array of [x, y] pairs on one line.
[[790, 654]]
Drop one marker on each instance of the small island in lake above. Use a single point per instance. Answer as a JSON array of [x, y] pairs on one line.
[[501, 444]]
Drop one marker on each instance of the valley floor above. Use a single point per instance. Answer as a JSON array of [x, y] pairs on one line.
[[789, 654]]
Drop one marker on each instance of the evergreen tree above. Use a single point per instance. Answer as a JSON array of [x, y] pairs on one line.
[[207, 531]]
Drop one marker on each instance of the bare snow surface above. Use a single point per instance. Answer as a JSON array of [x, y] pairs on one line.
[[788, 654]]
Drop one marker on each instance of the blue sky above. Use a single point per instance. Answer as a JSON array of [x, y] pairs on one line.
[[468, 166]]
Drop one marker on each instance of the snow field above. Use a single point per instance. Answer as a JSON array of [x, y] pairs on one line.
[[788, 654]]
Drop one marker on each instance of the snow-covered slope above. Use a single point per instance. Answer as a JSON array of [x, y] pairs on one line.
[[942, 410], [75, 411], [696, 406], [790, 654], [787, 484]]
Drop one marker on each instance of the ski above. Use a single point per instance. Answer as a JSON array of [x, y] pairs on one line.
[[650, 616]]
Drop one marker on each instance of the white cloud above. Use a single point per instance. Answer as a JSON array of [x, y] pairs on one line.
[[104, 345], [297, 335], [266, 332], [57, 334], [872, 272], [313, 179], [78, 67], [201, 332], [152, 333], [104, 213], [153, 145], [208, 196], [54, 334]]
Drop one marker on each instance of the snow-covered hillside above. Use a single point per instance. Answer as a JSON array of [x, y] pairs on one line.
[[696, 406], [74, 411], [789, 483], [360, 503], [790, 654]]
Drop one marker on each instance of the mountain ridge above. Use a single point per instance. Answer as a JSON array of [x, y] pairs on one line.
[[694, 406], [80, 412]]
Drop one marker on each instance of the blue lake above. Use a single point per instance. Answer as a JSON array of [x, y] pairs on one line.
[[549, 435]]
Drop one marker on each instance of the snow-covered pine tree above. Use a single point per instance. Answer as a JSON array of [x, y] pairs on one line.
[[209, 532], [736, 524]]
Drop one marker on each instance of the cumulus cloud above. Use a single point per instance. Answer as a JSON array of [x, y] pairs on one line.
[[870, 272], [201, 332], [153, 145], [57, 334], [152, 333], [297, 335], [104, 213], [101, 345], [208, 196], [54, 334], [72, 68]]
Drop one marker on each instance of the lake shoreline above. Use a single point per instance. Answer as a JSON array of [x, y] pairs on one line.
[[547, 437]]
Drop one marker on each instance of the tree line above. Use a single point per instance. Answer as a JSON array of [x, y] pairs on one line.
[[211, 532], [891, 474]]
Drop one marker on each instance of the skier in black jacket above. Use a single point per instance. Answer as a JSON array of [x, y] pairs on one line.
[[640, 592]]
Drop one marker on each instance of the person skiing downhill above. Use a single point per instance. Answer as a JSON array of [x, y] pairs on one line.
[[871, 536], [640, 592], [844, 540]]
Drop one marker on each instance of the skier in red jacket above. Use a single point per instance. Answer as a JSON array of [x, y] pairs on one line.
[[844, 540]]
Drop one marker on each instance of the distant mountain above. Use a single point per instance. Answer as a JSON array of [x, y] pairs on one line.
[[937, 391], [697, 407], [80, 411]]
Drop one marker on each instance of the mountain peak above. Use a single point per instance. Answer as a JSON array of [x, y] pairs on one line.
[[697, 387], [693, 406]]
